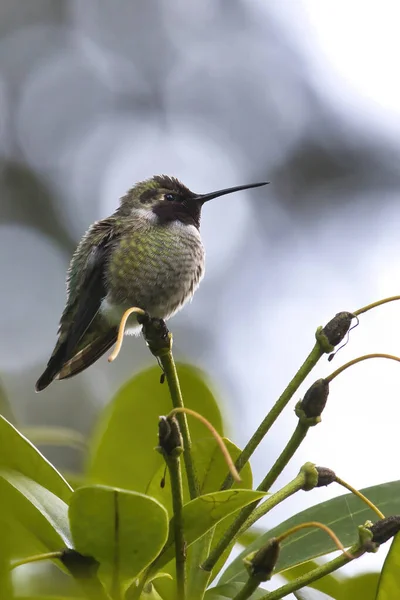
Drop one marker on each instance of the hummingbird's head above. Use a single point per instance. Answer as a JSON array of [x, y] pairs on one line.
[[168, 200]]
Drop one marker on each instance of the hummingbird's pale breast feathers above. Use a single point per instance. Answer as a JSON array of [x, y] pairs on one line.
[[155, 267]]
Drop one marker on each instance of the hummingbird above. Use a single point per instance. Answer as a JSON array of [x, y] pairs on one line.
[[148, 254]]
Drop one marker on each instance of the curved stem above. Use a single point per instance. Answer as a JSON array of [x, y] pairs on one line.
[[364, 309], [308, 524], [216, 436], [361, 496], [332, 376], [232, 532], [121, 330], [35, 558], [276, 410], [173, 463]]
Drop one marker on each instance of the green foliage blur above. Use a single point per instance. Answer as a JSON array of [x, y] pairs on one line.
[[107, 526]]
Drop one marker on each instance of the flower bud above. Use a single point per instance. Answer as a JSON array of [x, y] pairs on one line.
[[315, 399], [260, 564]]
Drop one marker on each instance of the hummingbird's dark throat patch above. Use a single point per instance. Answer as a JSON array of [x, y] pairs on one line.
[[187, 212]]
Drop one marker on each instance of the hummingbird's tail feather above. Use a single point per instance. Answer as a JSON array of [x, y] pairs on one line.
[[88, 355], [53, 367]]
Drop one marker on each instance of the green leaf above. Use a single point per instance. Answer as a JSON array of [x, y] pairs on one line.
[[124, 531], [360, 586], [246, 483], [41, 512], [308, 593], [250, 536], [55, 436], [203, 513], [389, 582], [17, 453], [342, 514], [122, 452], [211, 470], [5, 408], [6, 587], [150, 592], [230, 590]]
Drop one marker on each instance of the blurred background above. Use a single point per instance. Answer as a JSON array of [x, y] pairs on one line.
[[96, 95]]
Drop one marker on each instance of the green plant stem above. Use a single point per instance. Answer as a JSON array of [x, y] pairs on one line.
[[169, 368], [232, 532], [35, 558], [304, 580], [248, 589], [287, 453], [364, 309], [276, 410], [291, 488], [173, 463]]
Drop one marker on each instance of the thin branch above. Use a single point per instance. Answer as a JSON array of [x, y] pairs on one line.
[[361, 496], [332, 376], [364, 309]]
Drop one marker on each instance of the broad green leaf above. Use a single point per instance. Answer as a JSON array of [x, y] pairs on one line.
[[122, 453], [150, 594], [39, 511], [124, 531], [308, 593], [211, 470], [5, 408], [246, 483], [203, 513], [230, 590], [55, 436], [363, 586], [250, 536], [342, 514], [6, 587], [389, 582], [151, 589], [17, 453]]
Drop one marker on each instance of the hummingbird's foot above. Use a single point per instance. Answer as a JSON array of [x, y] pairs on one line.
[[156, 334]]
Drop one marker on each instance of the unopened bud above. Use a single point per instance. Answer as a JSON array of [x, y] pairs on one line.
[[169, 436], [80, 566], [334, 331], [315, 399], [325, 476], [385, 529], [260, 564]]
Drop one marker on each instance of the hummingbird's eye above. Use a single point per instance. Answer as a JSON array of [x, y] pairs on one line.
[[172, 197]]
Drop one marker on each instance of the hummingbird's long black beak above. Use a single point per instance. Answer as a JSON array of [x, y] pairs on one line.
[[206, 197]]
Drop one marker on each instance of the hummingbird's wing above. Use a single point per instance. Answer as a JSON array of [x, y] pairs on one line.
[[86, 291], [95, 342]]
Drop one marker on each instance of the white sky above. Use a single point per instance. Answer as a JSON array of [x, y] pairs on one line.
[[359, 41]]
